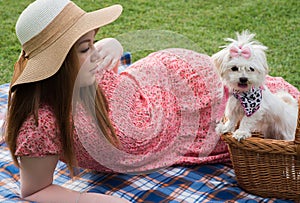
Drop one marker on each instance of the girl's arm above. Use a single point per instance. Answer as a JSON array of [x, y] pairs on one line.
[[36, 184]]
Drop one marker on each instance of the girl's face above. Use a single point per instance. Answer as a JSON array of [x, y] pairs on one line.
[[88, 58]]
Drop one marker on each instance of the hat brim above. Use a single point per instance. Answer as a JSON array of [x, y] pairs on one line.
[[46, 63]]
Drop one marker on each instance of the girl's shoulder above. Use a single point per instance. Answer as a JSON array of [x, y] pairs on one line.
[[39, 137], [46, 113], [45, 121]]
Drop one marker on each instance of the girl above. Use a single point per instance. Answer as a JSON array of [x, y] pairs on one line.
[[67, 103]]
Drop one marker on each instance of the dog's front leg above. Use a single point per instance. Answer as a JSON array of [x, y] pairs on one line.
[[247, 125], [228, 126], [231, 119]]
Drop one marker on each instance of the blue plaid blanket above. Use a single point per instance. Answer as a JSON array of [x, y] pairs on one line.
[[200, 183]]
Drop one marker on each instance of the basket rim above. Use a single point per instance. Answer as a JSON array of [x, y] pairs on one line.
[[262, 145], [267, 145]]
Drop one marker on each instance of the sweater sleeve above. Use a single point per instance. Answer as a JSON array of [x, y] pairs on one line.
[[39, 140]]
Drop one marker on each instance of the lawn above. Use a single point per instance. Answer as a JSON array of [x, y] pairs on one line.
[[201, 25]]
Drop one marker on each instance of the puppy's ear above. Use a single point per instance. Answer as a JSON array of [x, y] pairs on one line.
[[261, 58], [218, 60], [264, 62]]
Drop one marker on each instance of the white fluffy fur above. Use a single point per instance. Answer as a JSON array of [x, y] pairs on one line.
[[277, 116]]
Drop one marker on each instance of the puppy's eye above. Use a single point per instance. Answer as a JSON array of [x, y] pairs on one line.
[[234, 68], [251, 69]]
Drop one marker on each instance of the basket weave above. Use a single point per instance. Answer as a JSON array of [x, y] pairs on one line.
[[267, 167]]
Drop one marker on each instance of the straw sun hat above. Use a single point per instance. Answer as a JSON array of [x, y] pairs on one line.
[[47, 29]]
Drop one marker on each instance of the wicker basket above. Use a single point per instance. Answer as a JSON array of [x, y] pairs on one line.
[[267, 167]]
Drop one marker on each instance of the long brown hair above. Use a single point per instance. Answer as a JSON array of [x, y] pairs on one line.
[[57, 92]]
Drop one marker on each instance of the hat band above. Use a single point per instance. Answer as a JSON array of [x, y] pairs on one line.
[[58, 26]]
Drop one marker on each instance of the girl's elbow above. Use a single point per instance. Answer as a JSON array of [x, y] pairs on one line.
[[28, 193]]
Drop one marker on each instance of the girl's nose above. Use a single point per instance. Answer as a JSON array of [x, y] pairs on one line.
[[95, 55]]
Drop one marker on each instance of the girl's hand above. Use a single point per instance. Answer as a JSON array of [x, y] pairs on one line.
[[110, 51]]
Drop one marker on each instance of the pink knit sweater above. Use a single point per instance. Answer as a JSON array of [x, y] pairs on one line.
[[164, 108]]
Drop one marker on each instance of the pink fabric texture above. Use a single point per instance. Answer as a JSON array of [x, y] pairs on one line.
[[41, 140], [162, 108], [134, 98]]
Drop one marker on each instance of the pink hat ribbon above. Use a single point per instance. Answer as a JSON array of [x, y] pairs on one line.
[[240, 51]]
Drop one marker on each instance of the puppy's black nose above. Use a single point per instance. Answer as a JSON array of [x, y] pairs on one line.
[[243, 80]]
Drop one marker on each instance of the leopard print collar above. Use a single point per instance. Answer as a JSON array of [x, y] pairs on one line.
[[249, 100]]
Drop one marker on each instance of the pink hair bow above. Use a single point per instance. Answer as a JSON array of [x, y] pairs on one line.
[[240, 51]]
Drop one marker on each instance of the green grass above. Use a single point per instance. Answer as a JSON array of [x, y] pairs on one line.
[[199, 24]]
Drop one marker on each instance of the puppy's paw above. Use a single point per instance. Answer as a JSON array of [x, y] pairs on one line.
[[219, 128], [227, 127], [222, 128], [241, 135]]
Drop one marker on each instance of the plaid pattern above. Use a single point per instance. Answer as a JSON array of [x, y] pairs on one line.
[[206, 183], [125, 61], [3, 96]]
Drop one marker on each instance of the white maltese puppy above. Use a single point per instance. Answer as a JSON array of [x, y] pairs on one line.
[[251, 107]]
